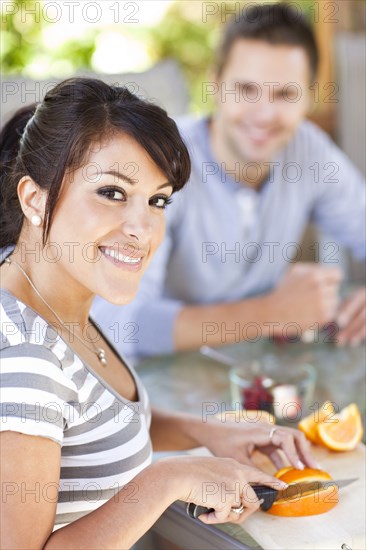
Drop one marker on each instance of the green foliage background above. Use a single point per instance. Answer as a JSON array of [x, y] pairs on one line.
[[181, 35]]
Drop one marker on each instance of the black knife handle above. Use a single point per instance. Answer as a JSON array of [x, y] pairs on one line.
[[267, 494], [262, 491]]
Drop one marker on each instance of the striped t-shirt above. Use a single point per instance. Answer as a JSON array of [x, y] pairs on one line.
[[47, 390]]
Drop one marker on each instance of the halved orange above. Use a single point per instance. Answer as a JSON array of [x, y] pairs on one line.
[[309, 424], [293, 475], [283, 471], [308, 504], [345, 433]]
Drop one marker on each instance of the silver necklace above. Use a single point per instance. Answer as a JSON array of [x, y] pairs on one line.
[[99, 352]]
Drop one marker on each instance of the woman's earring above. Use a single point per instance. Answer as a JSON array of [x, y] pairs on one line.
[[36, 220]]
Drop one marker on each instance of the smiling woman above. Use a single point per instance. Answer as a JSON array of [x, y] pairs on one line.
[[86, 176], [87, 144]]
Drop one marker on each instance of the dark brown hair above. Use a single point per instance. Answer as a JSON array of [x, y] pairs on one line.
[[48, 140], [272, 23]]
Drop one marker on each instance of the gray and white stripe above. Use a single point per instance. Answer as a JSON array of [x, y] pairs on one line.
[[46, 390]]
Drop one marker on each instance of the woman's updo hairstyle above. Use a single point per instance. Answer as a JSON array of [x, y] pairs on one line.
[[54, 138]]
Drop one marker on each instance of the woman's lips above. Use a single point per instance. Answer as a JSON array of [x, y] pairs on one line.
[[124, 261]]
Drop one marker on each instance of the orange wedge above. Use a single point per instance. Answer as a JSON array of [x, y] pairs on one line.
[[309, 424], [345, 433], [308, 504]]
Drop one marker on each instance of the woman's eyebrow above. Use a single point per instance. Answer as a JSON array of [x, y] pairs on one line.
[[129, 180], [121, 176], [167, 184]]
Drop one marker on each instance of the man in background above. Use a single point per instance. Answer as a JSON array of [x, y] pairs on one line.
[[225, 271]]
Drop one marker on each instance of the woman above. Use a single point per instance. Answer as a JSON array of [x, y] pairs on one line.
[[84, 189]]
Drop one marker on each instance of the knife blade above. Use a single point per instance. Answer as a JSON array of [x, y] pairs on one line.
[[270, 495]]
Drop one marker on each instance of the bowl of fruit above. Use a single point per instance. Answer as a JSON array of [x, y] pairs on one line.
[[283, 390]]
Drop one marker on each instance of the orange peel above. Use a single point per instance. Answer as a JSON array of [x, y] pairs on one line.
[[307, 504]]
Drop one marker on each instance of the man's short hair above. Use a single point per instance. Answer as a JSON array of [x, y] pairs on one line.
[[272, 23]]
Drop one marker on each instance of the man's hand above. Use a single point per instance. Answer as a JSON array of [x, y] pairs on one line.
[[307, 294], [351, 319]]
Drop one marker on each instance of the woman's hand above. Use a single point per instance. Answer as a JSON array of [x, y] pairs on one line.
[[219, 483], [232, 439], [239, 440]]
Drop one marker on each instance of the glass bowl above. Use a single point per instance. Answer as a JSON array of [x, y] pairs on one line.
[[284, 390]]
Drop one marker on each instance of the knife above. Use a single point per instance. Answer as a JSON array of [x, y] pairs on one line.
[[269, 495]]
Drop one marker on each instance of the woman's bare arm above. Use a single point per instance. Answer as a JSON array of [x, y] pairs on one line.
[[173, 431], [30, 471], [34, 462]]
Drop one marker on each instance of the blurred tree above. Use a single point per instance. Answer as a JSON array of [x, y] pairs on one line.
[[184, 36], [188, 33], [19, 39], [23, 45]]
